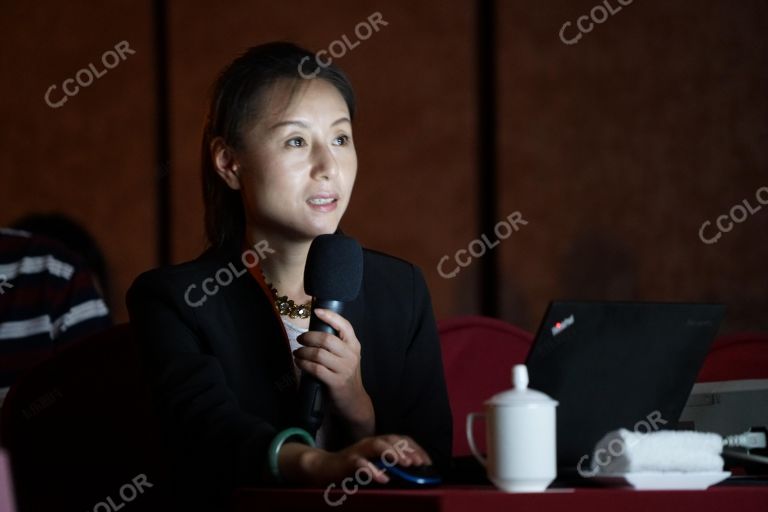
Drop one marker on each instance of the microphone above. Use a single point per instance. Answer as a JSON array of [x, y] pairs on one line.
[[332, 276]]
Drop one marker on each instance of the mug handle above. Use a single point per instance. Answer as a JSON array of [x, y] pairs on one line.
[[471, 438]]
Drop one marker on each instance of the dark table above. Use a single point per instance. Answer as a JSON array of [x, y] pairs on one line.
[[479, 498]]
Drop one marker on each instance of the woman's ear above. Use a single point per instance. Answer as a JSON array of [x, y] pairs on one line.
[[225, 162]]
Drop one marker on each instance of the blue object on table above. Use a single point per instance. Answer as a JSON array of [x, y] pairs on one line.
[[411, 475]]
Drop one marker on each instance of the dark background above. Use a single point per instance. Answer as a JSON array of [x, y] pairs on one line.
[[615, 149]]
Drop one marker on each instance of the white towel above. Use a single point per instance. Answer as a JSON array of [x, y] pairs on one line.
[[623, 451]]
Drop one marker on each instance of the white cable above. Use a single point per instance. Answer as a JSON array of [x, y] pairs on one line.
[[748, 440]]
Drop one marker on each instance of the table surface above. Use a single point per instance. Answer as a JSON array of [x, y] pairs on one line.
[[741, 498]]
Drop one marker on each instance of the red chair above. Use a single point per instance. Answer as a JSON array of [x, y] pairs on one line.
[[80, 431], [736, 357], [478, 355]]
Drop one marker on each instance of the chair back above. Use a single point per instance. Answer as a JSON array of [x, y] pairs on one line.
[[478, 356], [80, 430], [739, 356]]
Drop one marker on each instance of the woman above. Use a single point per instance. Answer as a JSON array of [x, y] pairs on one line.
[[279, 165]]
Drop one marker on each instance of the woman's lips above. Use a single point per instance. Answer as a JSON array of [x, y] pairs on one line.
[[323, 203]]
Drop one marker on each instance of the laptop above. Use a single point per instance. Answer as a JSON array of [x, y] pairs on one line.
[[618, 364]]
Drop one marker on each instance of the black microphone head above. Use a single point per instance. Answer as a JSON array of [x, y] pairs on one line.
[[334, 268]]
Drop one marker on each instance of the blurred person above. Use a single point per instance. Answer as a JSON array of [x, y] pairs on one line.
[[48, 300], [76, 239], [278, 167]]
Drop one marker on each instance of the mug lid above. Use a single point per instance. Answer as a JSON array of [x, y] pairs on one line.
[[520, 394]]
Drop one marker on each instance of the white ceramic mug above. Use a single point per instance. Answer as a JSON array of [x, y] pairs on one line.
[[520, 433]]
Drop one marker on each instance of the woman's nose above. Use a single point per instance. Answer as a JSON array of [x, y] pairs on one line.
[[324, 164]]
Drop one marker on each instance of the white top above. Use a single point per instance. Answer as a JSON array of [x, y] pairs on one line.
[[293, 331]]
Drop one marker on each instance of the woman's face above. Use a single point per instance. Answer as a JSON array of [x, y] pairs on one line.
[[297, 163]]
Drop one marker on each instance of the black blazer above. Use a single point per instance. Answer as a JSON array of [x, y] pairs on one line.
[[222, 371]]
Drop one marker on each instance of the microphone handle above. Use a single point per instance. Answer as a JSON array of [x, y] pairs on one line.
[[311, 390], [315, 324]]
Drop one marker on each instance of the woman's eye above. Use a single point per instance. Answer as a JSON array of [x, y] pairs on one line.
[[341, 140], [296, 142]]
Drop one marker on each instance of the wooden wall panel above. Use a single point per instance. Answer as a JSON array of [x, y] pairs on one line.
[[617, 148], [92, 157]]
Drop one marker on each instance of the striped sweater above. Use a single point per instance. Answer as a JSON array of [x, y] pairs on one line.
[[47, 300]]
